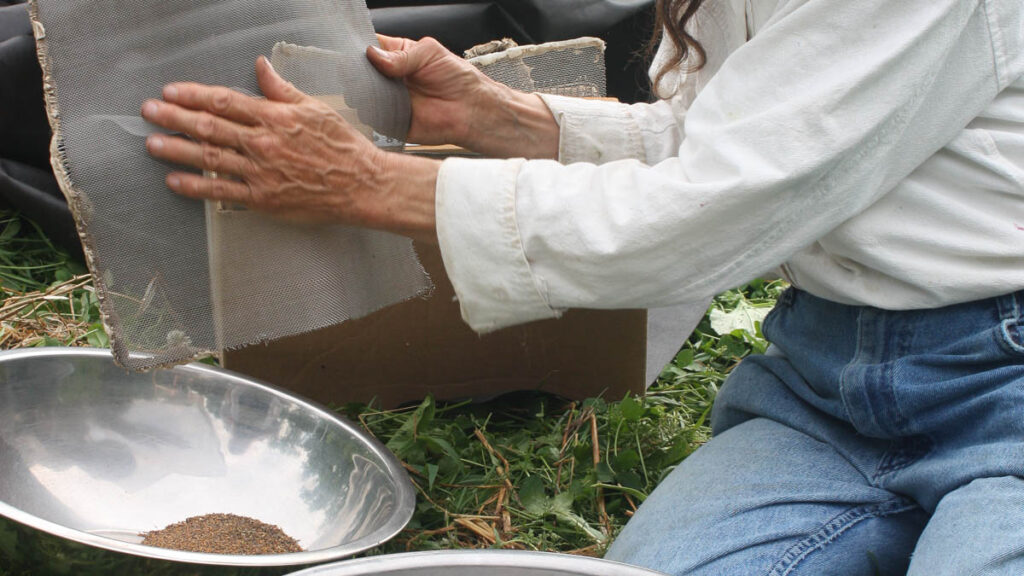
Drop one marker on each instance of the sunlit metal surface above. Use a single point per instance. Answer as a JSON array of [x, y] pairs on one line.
[[477, 563], [91, 456]]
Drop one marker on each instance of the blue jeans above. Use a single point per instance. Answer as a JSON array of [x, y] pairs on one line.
[[864, 442]]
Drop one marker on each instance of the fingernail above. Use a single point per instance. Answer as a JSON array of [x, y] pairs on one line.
[[149, 108], [156, 142], [269, 65], [173, 181], [381, 53], [170, 92]]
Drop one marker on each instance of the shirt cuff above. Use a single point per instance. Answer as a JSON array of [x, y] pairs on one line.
[[595, 131], [481, 246]]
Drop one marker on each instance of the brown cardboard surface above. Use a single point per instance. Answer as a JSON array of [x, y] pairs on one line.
[[400, 354]]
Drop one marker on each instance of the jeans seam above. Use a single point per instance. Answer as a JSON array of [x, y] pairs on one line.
[[834, 528], [843, 374], [902, 349], [903, 456]]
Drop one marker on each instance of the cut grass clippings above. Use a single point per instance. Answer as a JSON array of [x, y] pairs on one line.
[[530, 471], [48, 298]]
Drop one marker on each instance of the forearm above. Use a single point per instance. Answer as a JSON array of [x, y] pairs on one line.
[[404, 198], [506, 123]]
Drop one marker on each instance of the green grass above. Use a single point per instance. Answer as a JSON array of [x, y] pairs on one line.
[[28, 260], [532, 472]]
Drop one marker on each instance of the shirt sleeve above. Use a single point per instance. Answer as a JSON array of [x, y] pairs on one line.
[[599, 131], [803, 127]]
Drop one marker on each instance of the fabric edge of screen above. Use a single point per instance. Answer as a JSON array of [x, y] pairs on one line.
[[77, 202]]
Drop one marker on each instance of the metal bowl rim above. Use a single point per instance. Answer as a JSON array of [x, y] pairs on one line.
[[479, 559], [405, 496]]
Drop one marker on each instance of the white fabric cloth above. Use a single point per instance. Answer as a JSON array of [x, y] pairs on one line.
[[873, 151]]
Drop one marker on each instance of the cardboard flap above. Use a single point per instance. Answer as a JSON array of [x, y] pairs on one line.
[[404, 352]]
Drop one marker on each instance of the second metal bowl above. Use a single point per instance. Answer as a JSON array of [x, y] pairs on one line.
[[477, 563]]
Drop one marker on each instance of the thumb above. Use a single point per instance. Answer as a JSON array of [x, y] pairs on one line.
[[273, 86], [394, 63]]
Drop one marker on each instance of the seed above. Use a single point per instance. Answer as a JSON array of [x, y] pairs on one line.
[[222, 534]]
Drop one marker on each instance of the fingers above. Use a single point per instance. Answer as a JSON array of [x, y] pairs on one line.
[[391, 43], [200, 125], [273, 86], [217, 100], [383, 61], [199, 155], [402, 59], [195, 186]]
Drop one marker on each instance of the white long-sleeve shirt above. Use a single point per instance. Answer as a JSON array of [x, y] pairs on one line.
[[871, 150]]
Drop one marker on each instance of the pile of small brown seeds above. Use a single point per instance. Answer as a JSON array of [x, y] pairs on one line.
[[223, 534]]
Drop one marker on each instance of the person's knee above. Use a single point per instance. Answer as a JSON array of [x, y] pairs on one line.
[[976, 529]]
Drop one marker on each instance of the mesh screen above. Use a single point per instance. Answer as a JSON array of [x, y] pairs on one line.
[[570, 68], [326, 75], [177, 278]]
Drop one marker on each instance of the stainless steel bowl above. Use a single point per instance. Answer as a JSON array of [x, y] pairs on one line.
[[91, 456], [477, 563]]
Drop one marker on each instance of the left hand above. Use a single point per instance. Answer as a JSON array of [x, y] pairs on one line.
[[290, 155]]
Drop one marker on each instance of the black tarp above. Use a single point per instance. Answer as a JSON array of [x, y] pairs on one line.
[[26, 181]]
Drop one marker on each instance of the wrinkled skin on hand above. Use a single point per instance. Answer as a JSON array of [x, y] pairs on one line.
[[454, 103], [290, 154], [445, 91]]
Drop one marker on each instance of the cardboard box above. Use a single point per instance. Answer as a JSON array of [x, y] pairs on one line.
[[402, 353]]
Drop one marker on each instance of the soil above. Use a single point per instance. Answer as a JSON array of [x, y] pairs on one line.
[[223, 534]]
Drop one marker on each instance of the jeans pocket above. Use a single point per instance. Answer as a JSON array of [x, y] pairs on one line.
[[1011, 333]]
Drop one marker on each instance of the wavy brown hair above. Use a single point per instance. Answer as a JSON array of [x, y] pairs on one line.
[[671, 17]]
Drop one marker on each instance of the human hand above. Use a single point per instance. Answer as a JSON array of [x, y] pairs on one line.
[[444, 90], [290, 155], [454, 103]]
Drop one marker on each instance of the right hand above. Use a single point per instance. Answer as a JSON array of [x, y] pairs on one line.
[[446, 92]]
